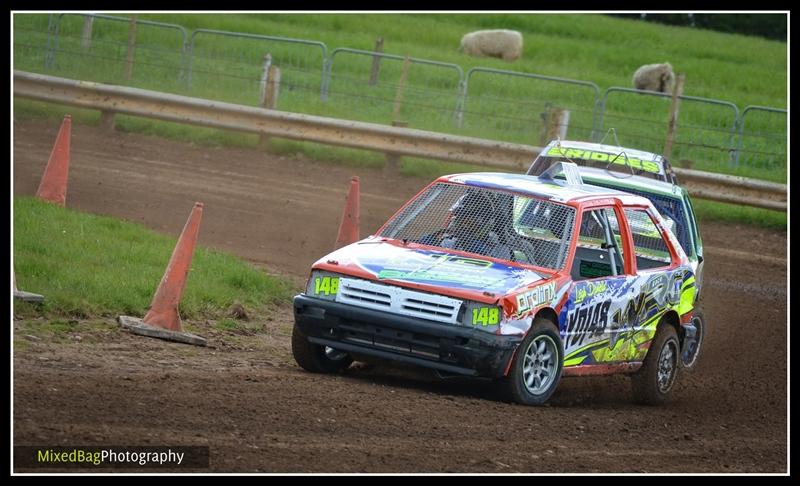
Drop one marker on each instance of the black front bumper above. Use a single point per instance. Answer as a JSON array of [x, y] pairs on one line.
[[441, 346]]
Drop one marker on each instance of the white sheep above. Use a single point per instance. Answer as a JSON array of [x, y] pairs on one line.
[[654, 77], [505, 44]]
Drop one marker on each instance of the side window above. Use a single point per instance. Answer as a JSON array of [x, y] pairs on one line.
[[599, 252], [649, 246]]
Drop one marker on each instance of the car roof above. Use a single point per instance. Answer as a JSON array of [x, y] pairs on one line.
[[550, 189], [637, 182]]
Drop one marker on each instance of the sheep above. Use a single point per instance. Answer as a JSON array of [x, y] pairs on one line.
[[654, 77], [505, 44]]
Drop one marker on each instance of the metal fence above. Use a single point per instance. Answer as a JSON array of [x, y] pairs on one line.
[[762, 138], [114, 49], [229, 66], [514, 106], [390, 89], [705, 135], [387, 88]]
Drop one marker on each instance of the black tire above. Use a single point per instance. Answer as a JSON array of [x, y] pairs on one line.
[[690, 352], [317, 358], [657, 376], [544, 334]]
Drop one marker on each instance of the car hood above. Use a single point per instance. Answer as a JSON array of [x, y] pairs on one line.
[[434, 270]]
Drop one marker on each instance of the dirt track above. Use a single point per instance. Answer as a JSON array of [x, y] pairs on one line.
[[257, 411]]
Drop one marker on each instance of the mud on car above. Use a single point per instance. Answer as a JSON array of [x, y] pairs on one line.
[[516, 278]]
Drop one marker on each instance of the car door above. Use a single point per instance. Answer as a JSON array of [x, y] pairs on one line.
[[601, 276], [655, 288]]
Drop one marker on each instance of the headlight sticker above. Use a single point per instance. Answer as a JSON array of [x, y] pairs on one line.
[[535, 297], [326, 285]]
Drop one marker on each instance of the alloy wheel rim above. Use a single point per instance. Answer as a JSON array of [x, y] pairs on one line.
[[666, 366], [539, 365]]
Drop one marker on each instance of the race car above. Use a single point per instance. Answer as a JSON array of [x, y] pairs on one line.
[[613, 158], [515, 278], [616, 169]]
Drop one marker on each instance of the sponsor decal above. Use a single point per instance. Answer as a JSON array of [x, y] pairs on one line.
[[574, 153], [439, 268], [532, 299], [586, 321], [590, 289]]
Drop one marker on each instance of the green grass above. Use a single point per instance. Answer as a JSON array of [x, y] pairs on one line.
[[88, 266], [729, 213]]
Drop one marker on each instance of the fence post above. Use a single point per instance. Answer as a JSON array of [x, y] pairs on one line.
[[461, 99], [264, 78], [269, 96], [401, 86], [107, 120], [376, 62], [86, 35], [557, 124], [393, 160], [52, 41], [131, 48], [677, 91]]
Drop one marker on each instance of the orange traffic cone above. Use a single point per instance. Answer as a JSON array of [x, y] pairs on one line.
[[53, 186], [163, 320], [22, 295], [348, 229], [164, 309]]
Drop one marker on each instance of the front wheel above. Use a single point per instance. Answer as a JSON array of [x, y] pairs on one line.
[[654, 380], [536, 369], [315, 357]]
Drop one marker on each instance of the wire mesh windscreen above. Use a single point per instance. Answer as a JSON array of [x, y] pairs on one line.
[[488, 223]]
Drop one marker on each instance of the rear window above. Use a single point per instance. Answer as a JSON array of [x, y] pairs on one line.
[[487, 222]]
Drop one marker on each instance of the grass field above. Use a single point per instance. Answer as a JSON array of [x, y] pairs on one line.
[[91, 266]]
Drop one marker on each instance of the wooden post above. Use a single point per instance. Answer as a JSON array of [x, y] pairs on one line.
[[376, 62], [392, 166], [264, 77], [270, 97], [677, 91], [557, 124], [401, 86], [107, 120], [86, 35], [131, 48]]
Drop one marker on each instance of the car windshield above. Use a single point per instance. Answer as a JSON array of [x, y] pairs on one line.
[[617, 163], [486, 222]]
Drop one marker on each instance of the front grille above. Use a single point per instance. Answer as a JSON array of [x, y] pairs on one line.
[[371, 295]]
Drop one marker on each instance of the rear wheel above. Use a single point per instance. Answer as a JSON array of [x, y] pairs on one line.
[[654, 380], [692, 344], [317, 358], [536, 369]]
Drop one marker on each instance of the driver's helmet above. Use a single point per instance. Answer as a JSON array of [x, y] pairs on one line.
[[472, 216]]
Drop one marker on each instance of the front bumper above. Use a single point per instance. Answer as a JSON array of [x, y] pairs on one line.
[[445, 347]]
